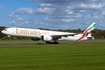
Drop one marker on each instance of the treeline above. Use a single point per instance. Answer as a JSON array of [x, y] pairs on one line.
[[97, 33], [2, 35]]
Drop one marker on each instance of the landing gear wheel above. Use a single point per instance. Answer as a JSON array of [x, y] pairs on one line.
[[48, 42], [55, 42]]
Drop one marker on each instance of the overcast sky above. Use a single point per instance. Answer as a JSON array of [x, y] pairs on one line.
[[52, 14]]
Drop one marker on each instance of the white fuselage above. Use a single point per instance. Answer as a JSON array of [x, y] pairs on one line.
[[37, 33], [47, 36], [23, 32]]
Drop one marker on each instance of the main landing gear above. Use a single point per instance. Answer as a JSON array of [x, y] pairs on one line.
[[48, 42]]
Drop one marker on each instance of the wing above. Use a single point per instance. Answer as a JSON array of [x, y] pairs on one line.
[[63, 35]]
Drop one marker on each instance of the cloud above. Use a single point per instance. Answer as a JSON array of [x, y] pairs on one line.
[[26, 23], [30, 11], [91, 6], [63, 13], [23, 11], [20, 18], [61, 1]]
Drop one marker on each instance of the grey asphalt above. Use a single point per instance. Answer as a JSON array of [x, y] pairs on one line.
[[44, 44]]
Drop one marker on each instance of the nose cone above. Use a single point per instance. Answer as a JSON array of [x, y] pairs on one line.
[[3, 31]]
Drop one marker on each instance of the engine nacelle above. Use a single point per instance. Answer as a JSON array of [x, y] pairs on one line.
[[89, 36], [35, 39], [46, 38]]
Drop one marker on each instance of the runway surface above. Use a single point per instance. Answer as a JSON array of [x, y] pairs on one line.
[[41, 43], [21, 45]]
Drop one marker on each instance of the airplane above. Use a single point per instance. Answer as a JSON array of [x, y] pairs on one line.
[[48, 36]]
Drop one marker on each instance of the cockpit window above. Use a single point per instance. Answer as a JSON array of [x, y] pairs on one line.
[[5, 29]]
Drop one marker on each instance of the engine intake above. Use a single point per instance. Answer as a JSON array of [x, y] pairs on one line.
[[35, 39]]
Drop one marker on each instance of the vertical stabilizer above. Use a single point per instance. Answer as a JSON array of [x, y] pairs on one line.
[[88, 30]]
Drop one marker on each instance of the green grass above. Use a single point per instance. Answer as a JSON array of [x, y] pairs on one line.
[[68, 55]]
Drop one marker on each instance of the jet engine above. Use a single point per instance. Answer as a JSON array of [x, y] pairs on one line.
[[35, 39], [89, 36], [46, 38]]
